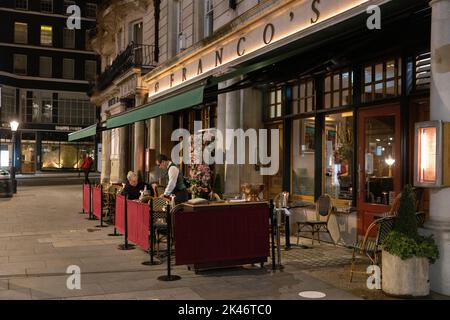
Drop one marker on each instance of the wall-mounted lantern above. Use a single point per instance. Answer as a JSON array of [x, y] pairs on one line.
[[432, 154]]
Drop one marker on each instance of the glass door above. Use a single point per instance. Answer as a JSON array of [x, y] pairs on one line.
[[378, 163]]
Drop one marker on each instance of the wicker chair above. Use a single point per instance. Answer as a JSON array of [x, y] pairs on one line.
[[369, 247], [324, 208], [159, 219]]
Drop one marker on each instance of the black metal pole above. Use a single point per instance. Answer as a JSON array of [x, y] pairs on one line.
[[126, 246], [114, 234], [287, 231], [272, 232], [101, 209], [169, 276], [82, 199], [90, 203], [13, 163], [152, 239]]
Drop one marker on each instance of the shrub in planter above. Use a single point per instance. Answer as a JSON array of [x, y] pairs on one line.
[[406, 254]]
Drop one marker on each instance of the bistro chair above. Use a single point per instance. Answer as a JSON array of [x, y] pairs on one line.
[[324, 208], [372, 247], [159, 220]]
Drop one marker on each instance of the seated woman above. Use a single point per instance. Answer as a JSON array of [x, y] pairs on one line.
[[133, 187]]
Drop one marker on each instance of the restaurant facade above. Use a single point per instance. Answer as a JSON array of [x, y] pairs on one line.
[[343, 83]]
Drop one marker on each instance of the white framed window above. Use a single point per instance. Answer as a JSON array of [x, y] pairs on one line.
[[91, 10], [68, 69], [20, 32], [47, 6], [45, 67], [46, 35], [20, 64], [68, 38], [68, 4], [209, 18], [90, 70], [21, 4]]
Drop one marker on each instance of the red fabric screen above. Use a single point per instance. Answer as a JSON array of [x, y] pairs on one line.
[[119, 222], [222, 234], [97, 201], [138, 223], [86, 198]]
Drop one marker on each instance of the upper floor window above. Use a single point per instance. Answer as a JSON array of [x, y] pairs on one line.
[[87, 39], [275, 102], [90, 70], [91, 10], [45, 67], [47, 6], [303, 96], [20, 64], [46, 35], [21, 4], [68, 69], [382, 80], [68, 38], [179, 26], [20, 32], [338, 89], [209, 18], [67, 4]]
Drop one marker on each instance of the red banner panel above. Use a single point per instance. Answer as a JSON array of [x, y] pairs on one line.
[[222, 235], [119, 222], [138, 223], [97, 201], [86, 198]]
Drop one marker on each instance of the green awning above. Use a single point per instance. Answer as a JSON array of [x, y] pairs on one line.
[[154, 109], [83, 133]]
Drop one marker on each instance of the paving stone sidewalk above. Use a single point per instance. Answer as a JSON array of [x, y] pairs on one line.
[[42, 233]]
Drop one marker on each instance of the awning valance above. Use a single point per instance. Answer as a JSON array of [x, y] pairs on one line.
[[83, 133], [154, 109]]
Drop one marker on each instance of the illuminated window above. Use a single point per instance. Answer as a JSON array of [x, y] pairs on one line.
[[20, 32], [382, 80], [303, 157], [46, 35], [274, 105], [303, 97], [338, 89]]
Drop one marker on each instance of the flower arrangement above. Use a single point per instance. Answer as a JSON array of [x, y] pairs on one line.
[[199, 173]]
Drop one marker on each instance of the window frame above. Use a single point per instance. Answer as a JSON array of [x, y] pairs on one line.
[[278, 90], [18, 7], [208, 25], [73, 69], [47, 2], [50, 59], [303, 97], [397, 79], [92, 5], [41, 35], [340, 90], [73, 44], [17, 55], [15, 32], [86, 63]]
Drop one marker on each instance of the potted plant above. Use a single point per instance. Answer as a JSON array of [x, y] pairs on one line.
[[406, 255]]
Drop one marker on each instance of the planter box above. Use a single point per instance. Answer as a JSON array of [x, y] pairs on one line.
[[404, 278]]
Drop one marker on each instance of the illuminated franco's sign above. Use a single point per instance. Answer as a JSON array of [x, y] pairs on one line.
[[294, 17]]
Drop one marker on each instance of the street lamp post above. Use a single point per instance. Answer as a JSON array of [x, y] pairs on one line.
[[14, 126]]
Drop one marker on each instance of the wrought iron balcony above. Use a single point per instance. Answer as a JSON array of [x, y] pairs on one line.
[[134, 56]]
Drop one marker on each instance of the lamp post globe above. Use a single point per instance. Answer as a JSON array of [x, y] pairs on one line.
[[14, 127]]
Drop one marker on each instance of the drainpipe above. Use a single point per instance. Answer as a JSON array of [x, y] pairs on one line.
[[157, 7]]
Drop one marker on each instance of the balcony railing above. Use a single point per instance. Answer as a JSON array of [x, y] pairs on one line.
[[134, 56]]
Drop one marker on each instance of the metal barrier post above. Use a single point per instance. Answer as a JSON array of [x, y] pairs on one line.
[[101, 209], [114, 234], [151, 250], [90, 203], [272, 232], [169, 276], [126, 245], [82, 199]]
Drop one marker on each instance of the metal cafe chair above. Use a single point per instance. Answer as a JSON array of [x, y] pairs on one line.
[[324, 208], [372, 247], [159, 220]]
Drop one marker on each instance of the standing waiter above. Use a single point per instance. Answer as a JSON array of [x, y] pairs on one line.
[[176, 184]]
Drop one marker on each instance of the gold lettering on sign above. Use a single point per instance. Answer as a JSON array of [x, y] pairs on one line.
[[200, 67], [156, 87], [171, 79], [219, 55], [268, 37], [183, 76], [315, 10], [238, 49]]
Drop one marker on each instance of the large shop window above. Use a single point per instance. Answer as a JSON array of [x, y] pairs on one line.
[[338, 153], [63, 155], [275, 102], [382, 80], [303, 97], [338, 89], [303, 156]]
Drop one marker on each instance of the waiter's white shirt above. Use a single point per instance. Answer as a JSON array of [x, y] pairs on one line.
[[173, 176]]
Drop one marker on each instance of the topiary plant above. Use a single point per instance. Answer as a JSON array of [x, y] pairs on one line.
[[404, 240]]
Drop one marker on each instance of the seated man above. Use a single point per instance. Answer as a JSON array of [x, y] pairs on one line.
[[133, 187]]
